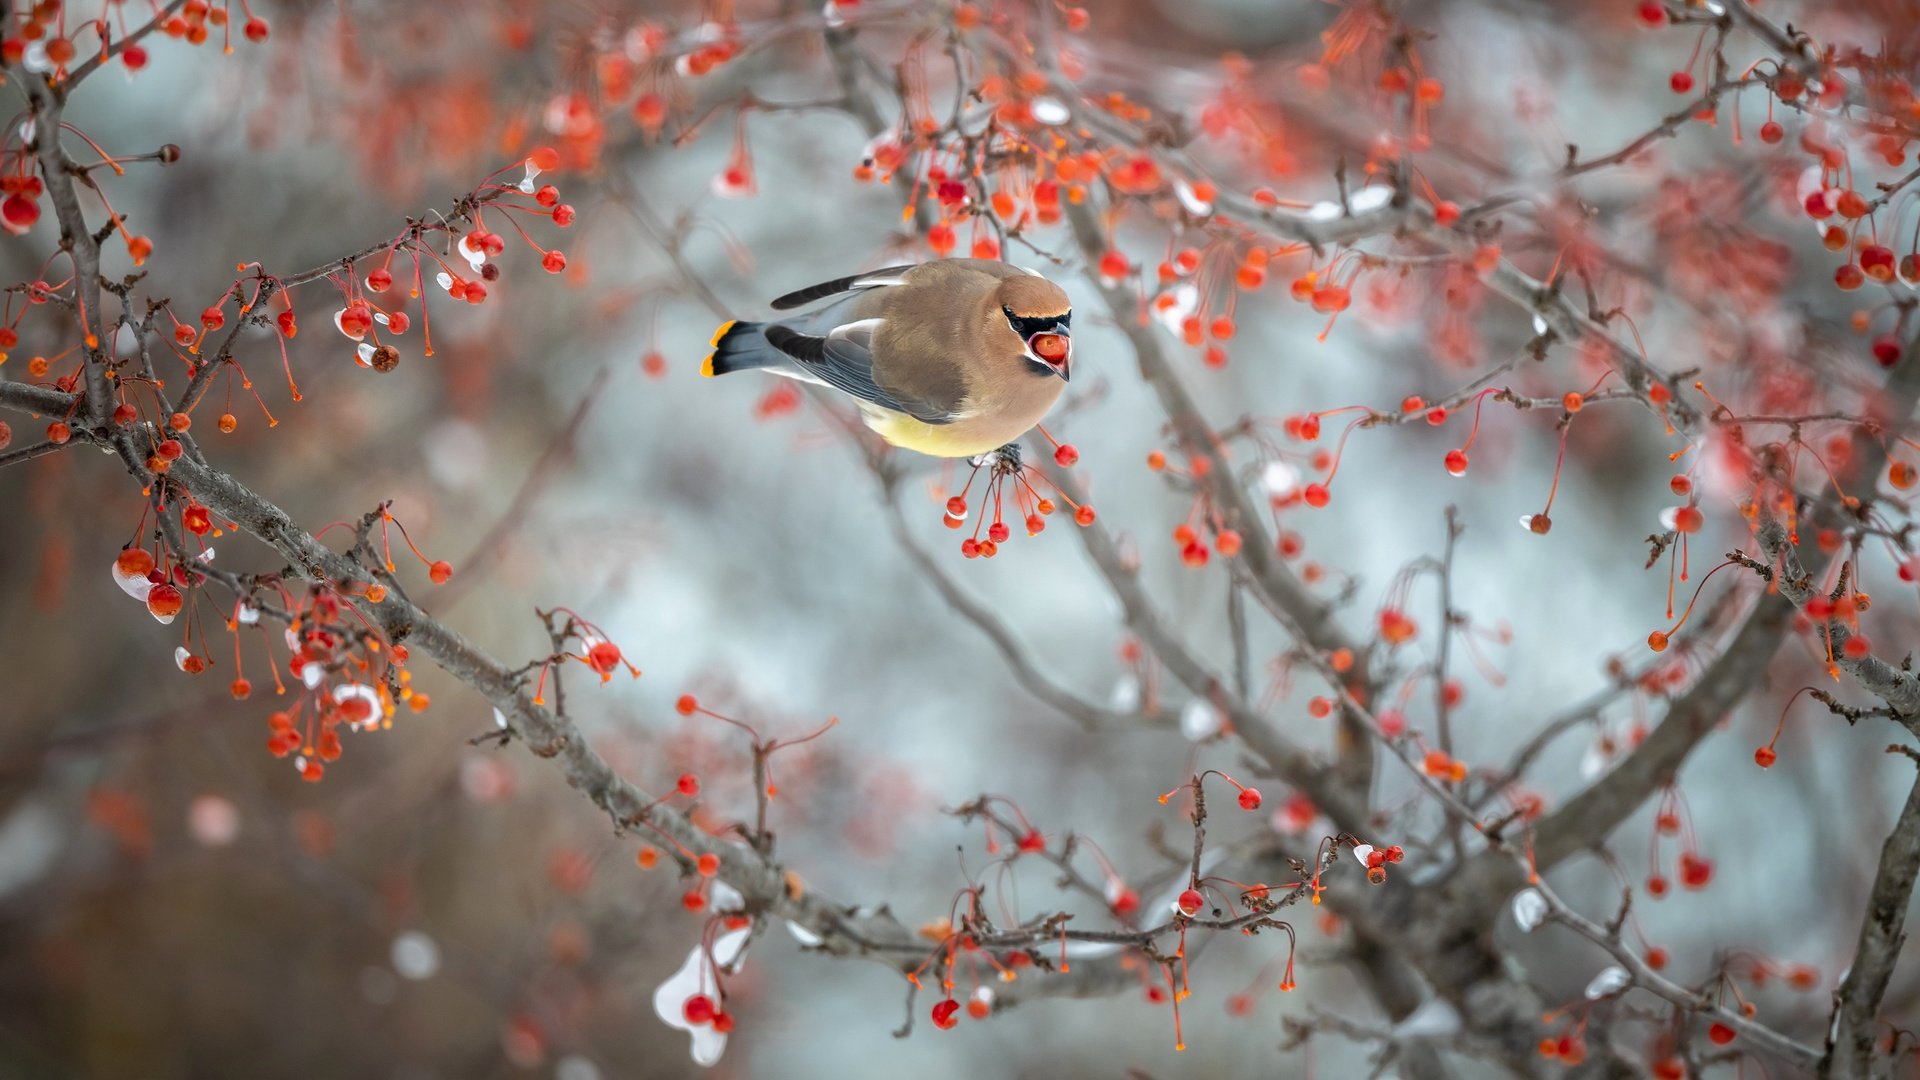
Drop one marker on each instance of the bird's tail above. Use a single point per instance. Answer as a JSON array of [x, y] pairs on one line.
[[740, 346]]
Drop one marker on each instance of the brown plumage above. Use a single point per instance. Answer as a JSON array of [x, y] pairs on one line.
[[941, 356]]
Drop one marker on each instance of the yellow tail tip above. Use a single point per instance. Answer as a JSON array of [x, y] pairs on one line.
[[722, 332], [706, 366]]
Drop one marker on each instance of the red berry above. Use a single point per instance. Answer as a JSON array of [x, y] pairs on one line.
[[1249, 799], [1065, 455], [1083, 516], [1876, 261], [688, 784], [1456, 462], [134, 562], [553, 262], [1771, 132], [943, 1014], [165, 601], [1681, 81], [1191, 901], [1695, 872], [1316, 495], [19, 212], [1720, 1033], [440, 571], [1765, 757], [698, 1010], [603, 657]]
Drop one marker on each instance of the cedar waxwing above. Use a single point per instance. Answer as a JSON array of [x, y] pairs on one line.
[[953, 358]]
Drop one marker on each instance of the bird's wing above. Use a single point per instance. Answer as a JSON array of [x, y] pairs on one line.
[[843, 359], [891, 275]]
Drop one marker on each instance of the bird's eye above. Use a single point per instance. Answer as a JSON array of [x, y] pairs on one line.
[[1027, 327]]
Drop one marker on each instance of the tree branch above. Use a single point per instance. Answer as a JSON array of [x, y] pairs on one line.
[[1275, 582], [37, 400], [1856, 1007]]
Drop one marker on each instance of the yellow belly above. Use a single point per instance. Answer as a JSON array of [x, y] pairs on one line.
[[956, 440]]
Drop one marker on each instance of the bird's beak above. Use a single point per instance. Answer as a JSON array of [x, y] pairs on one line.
[[1054, 349]]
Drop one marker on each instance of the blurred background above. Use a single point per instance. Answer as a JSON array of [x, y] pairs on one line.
[[175, 902]]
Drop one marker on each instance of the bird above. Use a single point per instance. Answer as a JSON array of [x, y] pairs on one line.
[[951, 358]]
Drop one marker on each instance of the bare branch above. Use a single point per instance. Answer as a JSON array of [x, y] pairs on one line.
[[1759, 1035], [1883, 935]]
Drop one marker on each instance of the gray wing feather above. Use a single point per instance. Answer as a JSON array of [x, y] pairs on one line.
[[843, 359], [891, 275]]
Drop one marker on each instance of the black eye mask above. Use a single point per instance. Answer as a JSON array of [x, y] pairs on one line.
[[1026, 328]]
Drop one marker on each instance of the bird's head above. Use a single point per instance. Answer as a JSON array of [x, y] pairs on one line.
[[1039, 313]]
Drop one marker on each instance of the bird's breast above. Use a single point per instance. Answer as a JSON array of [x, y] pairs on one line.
[[1011, 414]]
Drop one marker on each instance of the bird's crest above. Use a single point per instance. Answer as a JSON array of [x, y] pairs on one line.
[[1034, 298]]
